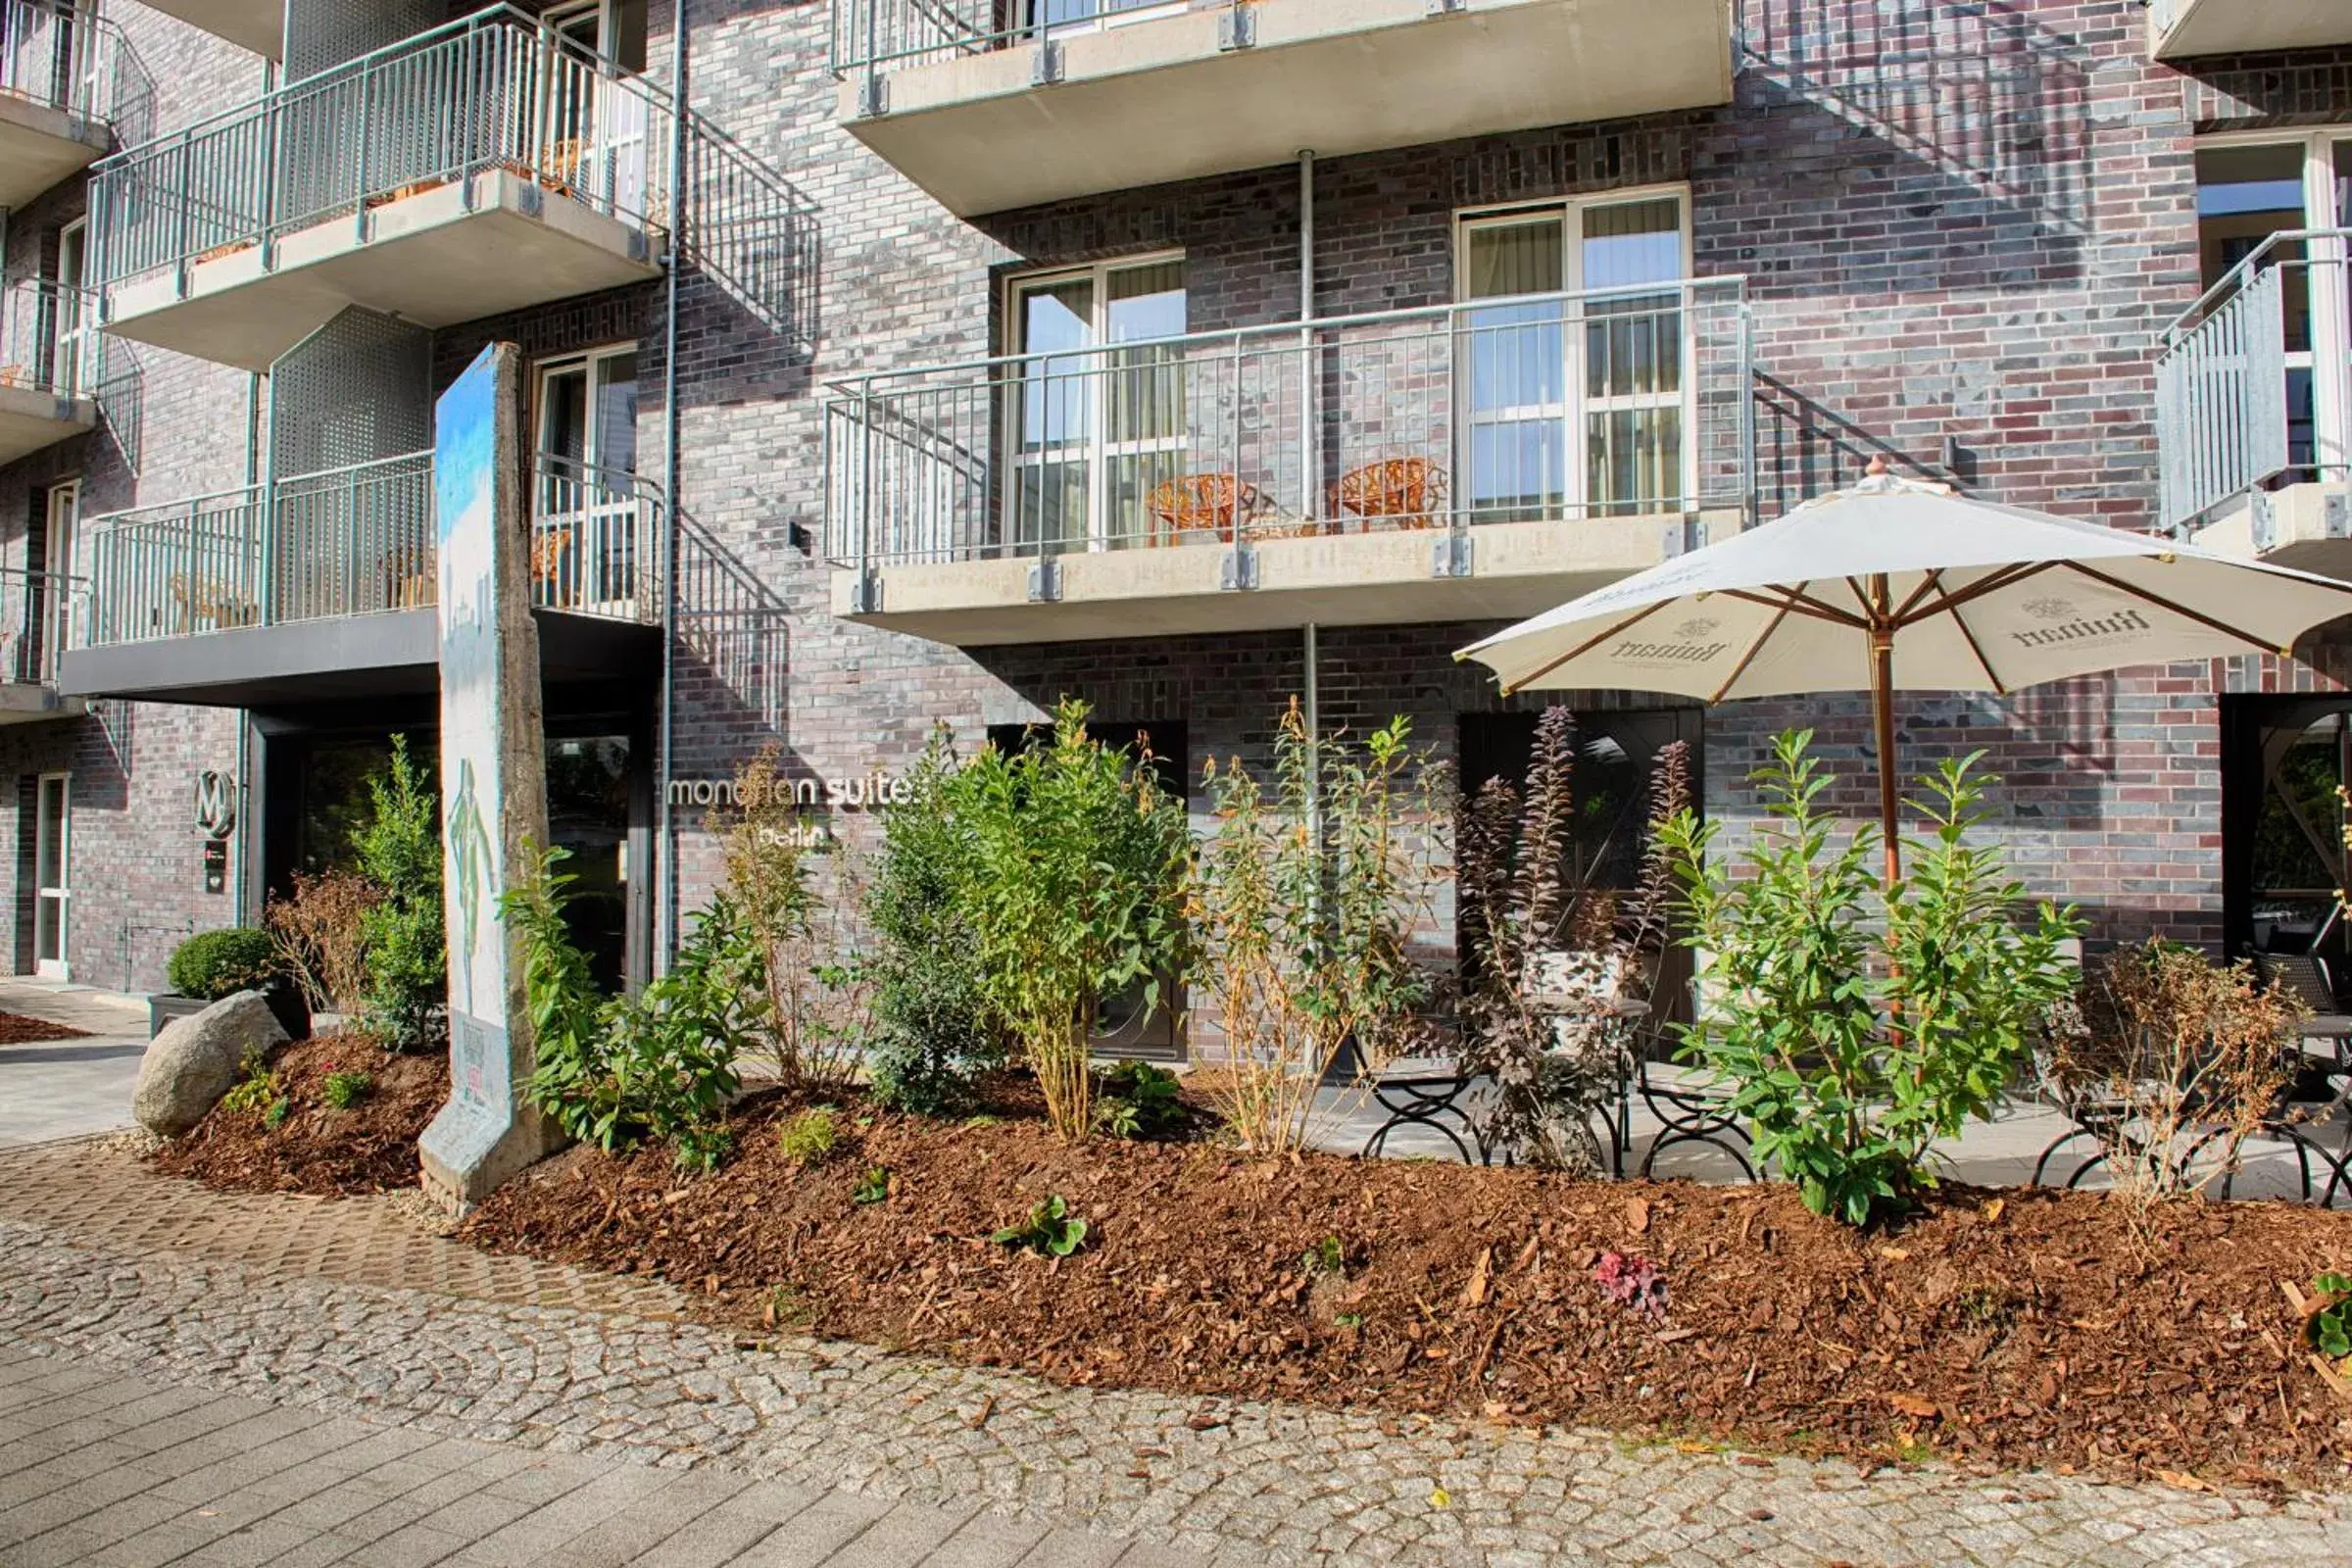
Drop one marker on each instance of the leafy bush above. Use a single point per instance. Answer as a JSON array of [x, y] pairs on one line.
[[1139, 1100], [320, 930], [2329, 1328], [344, 1090], [211, 964], [407, 960], [253, 1093], [931, 1034], [1309, 933], [1050, 1230], [1077, 867], [812, 1138], [701, 1147], [1846, 1055], [659, 1066]]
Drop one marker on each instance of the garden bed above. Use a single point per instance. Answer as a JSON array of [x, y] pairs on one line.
[[15, 1029], [2024, 1328], [368, 1148]]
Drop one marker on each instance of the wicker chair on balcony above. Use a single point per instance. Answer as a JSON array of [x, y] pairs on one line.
[[1403, 492], [1202, 502], [555, 566]]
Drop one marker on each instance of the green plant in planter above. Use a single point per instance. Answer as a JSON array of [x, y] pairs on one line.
[[211, 964], [1849, 1052], [1050, 1230]]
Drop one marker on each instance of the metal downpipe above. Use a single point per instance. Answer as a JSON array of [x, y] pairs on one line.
[[665, 918]]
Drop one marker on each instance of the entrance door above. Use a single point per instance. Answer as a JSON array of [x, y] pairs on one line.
[[588, 817], [2285, 759], [52, 896], [586, 533], [594, 141]]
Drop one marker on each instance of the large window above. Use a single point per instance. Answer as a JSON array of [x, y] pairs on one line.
[[1574, 403], [1095, 426], [2252, 187], [585, 535]]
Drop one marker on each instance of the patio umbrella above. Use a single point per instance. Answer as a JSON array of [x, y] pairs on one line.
[[1895, 584]]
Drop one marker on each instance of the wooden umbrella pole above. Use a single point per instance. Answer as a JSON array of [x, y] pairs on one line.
[[1881, 699]]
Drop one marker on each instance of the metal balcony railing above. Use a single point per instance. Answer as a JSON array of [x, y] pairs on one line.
[[2254, 380], [355, 541], [1610, 404], [872, 36], [66, 57], [493, 91], [36, 609], [49, 338]]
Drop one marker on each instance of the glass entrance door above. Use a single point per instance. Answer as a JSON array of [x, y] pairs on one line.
[[585, 528], [53, 897]]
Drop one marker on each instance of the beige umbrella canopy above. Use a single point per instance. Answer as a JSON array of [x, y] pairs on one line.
[[1896, 585]]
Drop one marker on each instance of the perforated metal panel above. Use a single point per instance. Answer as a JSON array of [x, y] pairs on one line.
[[322, 34], [358, 390]]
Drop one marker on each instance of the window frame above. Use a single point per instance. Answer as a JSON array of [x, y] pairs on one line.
[[1578, 405], [61, 892]]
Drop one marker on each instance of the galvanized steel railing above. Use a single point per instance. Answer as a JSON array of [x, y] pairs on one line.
[[65, 57], [875, 34], [355, 541], [36, 608], [49, 337], [2279, 322], [493, 91], [1607, 404]]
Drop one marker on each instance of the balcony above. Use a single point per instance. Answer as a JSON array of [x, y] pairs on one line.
[[255, 24], [49, 352], [1113, 94], [480, 168], [2180, 29], [2254, 407], [1411, 466], [63, 74], [36, 609], [324, 587]]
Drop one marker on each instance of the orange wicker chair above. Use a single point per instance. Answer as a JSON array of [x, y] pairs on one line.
[[1216, 500], [1409, 492]]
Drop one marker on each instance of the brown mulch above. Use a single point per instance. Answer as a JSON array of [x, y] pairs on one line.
[[15, 1029], [2025, 1328], [370, 1148]]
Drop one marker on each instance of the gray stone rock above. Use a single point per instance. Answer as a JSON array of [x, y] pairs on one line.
[[196, 1060]]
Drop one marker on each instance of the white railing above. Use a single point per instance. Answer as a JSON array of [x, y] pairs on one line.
[[36, 609], [879, 34], [2254, 381], [353, 541], [493, 91], [66, 57], [1612, 404], [49, 338]]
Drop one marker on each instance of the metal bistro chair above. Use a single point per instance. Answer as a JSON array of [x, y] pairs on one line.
[[1690, 1108]]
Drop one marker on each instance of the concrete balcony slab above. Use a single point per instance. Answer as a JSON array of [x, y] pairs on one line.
[[41, 146], [1171, 97], [32, 418], [2180, 29], [2306, 527], [458, 251], [255, 24]]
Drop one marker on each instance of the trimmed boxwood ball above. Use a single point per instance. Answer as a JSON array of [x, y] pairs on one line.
[[211, 964]]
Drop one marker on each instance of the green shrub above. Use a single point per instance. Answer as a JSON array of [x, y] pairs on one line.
[[931, 1036], [812, 1138], [1050, 1230], [1139, 1100], [2329, 1328], [701, 1147], [344, 1090], [1848, 1053], [399, 851], [254, 1093], [658, 1065], [211, 964]]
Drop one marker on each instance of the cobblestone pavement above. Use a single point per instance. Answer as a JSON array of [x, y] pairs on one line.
[[153, 1283]]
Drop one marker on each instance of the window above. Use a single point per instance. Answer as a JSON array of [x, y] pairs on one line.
[[595, 131], [73, 344], [585, 505], [2250, 188], [1573, 401], [613, 28], [1094, 428], [1060, 17], [51, 898], [61, 520]]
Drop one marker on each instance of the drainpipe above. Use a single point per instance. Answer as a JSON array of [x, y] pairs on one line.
[[666, 920], [1311, 469], [248, 898]]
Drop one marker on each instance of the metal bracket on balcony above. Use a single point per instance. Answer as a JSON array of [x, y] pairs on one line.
[[1677, 537], [1239, 569], [1044, 64], [2336, 515], [530, 201], [866, 594], [1440, 8], [1236, 29], [873, 97], [1450, 557], [1044, 582], [2263, 520]]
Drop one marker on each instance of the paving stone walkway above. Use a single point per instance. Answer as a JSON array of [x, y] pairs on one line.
[[307, 1318]]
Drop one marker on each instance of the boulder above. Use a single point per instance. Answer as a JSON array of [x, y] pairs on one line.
[[196, 1060]]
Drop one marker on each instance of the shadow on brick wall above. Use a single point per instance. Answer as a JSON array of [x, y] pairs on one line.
[[1805, 449], [733, 640], [754, 239]]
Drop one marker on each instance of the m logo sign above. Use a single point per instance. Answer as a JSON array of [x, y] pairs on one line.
[[217, 802]]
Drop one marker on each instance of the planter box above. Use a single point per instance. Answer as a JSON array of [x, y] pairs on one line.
[[286, 1001]]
